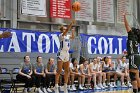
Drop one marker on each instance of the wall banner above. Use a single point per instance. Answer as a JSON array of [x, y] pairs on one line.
[[102, 44]]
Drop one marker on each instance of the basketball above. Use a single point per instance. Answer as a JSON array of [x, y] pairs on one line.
[[76, 6], [125, 52]]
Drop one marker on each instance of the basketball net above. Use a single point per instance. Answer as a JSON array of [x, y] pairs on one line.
[[135, 19]]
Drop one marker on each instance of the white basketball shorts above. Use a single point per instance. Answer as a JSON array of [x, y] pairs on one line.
[[64, 55]]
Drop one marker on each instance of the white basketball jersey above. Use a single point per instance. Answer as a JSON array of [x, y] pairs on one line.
[[65, 42], [121, 66], [72, 67], [94, 67]]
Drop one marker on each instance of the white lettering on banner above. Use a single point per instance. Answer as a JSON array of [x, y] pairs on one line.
[[120, 45], [104, 45], [29, 38], [14, 43], [89, 45], [23, 41], [100, 47], [2, 47], [111, 46], [40, 43], [30, 42], [55, 39]]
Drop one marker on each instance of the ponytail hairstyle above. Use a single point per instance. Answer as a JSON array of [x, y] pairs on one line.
[[105, 59], [37, 58], [48, 64], [25, 57], [61, 28], [72, 60]]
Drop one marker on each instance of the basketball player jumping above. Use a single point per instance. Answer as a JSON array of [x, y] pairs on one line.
[[133, 55], [63, 55]]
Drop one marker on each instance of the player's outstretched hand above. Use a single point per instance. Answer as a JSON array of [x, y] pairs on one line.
[[6, 34], [123, 14]]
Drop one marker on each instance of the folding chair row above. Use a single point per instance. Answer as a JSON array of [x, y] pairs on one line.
[[8, 80]]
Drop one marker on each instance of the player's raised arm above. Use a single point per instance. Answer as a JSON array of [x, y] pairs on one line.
[[72, 34], [68, 28], [127, 26]]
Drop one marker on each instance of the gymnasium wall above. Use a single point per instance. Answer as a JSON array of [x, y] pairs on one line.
[[11, 17]]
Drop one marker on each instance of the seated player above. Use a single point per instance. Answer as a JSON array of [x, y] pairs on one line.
[[50, 71], [25, 74], [100, 63], [40, 76], [122, 71], [74, 74], [108, 68], [84, 70], [93, 68]]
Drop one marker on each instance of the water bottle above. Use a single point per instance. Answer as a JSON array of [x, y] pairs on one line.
[[118, 83]]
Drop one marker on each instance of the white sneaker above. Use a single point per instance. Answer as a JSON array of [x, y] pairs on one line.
[[65, 89], [29, 89], [111, 85], [44, 90], [115, 85], [96, 87], [80, 87], [90, 87], [39, 90], [25, 90], [61, 88], [53, 89], [129, 85], [73, 88], [101, 86], [84, 88], [56, 90], [104, 85], [123, 85], [49, 90], [69, 88]]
